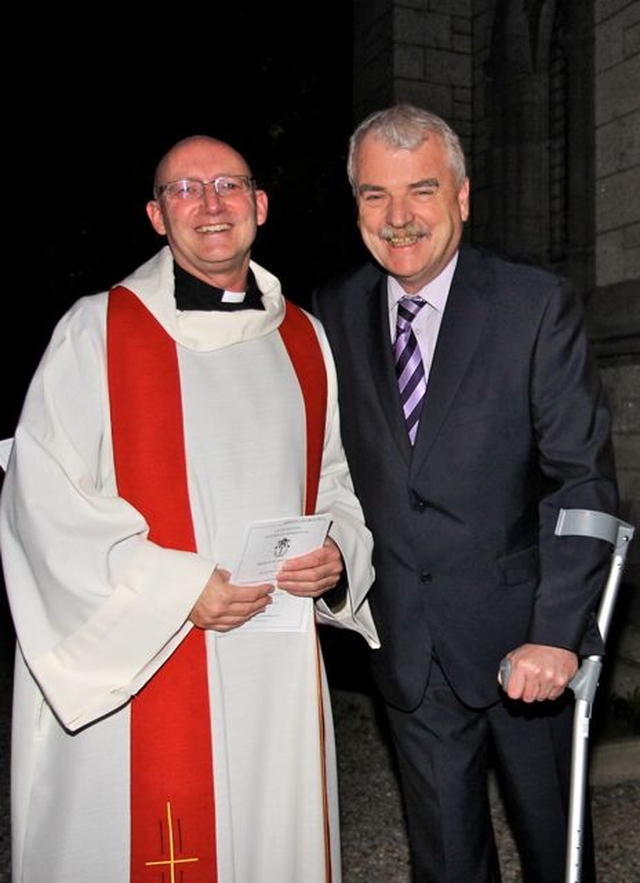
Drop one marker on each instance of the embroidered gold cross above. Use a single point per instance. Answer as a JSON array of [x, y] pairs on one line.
[[172, 861]]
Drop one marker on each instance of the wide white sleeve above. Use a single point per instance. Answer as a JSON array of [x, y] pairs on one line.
[[5, 450], [348, 529], [97, 607]]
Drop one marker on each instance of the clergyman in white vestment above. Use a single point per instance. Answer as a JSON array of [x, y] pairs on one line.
[[100, 608]]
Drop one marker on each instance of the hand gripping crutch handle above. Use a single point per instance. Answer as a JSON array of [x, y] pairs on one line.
[[599, 525]]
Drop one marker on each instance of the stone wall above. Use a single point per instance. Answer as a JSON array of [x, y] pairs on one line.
[[615, 307], [417, 51], [617, 106]]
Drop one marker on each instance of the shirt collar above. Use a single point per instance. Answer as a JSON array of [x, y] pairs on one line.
[[435, 293]]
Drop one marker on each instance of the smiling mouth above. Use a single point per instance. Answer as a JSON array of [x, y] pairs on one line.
[[402, 241], [213, 228]]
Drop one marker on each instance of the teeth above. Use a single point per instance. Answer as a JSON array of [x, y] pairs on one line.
[[214, 228], [404, 240]]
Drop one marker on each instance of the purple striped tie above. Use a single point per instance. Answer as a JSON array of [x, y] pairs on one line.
[[409, 368]]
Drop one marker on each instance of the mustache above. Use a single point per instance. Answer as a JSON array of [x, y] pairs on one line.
[[409, 231]]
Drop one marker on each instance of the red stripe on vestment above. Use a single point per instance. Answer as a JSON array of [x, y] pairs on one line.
[[172, 796], [305, 353]]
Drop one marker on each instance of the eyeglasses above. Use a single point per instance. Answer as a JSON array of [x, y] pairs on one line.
[[191, 188]]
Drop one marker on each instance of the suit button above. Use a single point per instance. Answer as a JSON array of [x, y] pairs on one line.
[[417, 502], [426, 577]]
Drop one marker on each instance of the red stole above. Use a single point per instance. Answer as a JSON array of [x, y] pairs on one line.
[[173, 833]]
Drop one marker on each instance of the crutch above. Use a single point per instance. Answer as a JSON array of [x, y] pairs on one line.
[[586, 522]]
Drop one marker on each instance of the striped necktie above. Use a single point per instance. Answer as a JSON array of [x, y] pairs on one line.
[[409, 368]]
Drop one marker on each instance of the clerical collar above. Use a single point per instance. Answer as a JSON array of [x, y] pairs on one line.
[[194, 294]]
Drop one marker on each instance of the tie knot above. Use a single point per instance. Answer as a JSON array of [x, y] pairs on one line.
[[408, 309]]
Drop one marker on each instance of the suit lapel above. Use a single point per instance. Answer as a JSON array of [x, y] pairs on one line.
[[380, 357], [458, 339]]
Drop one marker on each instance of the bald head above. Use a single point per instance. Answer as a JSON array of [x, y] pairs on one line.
[[184, 148]]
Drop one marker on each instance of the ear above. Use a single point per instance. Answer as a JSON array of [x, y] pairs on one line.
[[463, 199], [154, 213], [262, 207]]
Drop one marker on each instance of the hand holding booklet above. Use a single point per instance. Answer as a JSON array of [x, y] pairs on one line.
[[267, 544]]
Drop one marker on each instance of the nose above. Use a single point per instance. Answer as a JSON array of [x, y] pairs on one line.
[[399, 211], [211, 197]]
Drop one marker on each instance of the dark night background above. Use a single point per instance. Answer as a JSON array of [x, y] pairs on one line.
[[109, 100]]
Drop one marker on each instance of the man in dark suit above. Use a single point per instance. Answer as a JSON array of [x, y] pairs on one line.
[[514, 426]]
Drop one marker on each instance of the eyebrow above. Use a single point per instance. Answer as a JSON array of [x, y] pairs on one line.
[[425, 182]]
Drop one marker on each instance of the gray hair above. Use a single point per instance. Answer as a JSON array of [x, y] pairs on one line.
[[406, 126]]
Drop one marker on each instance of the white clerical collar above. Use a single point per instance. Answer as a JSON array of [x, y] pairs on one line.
[[233, 297]]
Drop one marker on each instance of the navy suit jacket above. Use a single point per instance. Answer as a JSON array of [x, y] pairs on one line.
[[514, 427]]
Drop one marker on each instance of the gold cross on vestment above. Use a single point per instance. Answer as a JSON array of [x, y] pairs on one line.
[[172, 861]]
